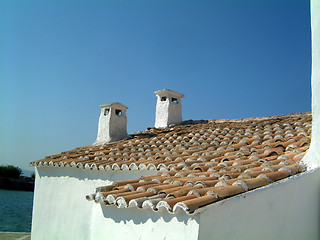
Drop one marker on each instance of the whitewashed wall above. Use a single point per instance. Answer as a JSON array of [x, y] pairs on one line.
[[285, 210], [60, 208], [312, 159], [109, 222], [288, 210]]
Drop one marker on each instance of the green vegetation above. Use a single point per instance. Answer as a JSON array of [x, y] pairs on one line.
[[10, 171]]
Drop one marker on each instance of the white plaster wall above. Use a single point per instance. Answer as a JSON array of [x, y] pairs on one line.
[[60, 208], [103, 128], [109, 222], [285, 210], [117, 126], [175, 112], [312, 159], [162, 113], [167, 112]]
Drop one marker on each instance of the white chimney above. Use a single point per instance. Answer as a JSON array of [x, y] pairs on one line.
[[168, 108], [112, 123]]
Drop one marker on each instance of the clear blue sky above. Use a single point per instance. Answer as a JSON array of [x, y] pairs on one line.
[[59, 60]]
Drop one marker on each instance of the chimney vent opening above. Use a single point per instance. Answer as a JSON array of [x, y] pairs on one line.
[[106, 111], [174, 100], [164, 98], [119, 112]]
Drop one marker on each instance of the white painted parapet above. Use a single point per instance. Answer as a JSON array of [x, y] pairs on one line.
[[61, 210], [168, 108], [286, 210], [312, 158], [112, 123]]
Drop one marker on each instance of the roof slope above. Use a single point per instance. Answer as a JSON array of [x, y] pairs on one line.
[[199, 163]]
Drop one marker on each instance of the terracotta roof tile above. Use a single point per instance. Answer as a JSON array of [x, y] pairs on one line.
[[199, 162], [191, 205]]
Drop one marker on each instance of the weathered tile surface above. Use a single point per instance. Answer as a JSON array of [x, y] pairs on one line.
[[199, 163]]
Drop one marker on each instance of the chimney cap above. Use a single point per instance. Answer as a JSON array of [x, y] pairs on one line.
[[114, 104], [165, 91]]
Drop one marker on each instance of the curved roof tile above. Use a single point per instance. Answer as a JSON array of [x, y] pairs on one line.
[[199, 162]]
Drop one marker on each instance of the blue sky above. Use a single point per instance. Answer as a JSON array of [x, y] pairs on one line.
[[59, 60]]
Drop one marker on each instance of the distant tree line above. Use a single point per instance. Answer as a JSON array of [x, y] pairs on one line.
[[10, 171]]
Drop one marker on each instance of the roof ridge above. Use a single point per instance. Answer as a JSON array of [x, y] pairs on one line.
[[298, 114]]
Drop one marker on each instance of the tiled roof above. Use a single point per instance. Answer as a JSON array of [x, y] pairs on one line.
[[199, 162]]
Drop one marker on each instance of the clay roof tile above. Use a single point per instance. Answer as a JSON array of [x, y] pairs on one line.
[[224, 158]]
